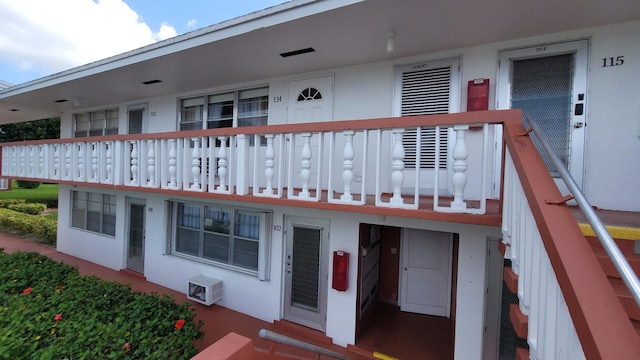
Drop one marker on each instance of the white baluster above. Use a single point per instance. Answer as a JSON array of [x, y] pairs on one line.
[[94, 161], [56, 161], [41, 162], [80, 159], [397, 176], [222, 164], [67, 159], [347, 165], [109, 161], [459, 178], [32, 160], [134, 163], [172, 163], [195, 164], [305, 172], [151, 163], [23, 160], [269, 163]]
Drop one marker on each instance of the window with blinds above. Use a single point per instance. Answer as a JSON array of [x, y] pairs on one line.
[[94, 212], [233, 109], [222, 235], [425, 90], [96, 123]]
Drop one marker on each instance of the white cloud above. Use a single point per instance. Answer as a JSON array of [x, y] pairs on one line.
[[49, 36], [192, 23], [166, 31]]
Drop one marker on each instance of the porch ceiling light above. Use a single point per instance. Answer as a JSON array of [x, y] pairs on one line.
[[297, 52], [391, 36], [154, 81]]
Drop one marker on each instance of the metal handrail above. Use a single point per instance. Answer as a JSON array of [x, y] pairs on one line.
[[272, 336], [619, 261]]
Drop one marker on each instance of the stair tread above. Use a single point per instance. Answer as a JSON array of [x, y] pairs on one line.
[[610, 269], [626, 246], [627, 301]]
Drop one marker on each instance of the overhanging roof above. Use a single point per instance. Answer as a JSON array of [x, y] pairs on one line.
[[342, 32]]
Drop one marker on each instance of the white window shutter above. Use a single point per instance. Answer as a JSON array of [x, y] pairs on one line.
[[425, 91]]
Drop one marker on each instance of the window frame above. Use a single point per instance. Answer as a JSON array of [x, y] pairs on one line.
[[103, 209], [97, 122], [262, 237], [208, 101]]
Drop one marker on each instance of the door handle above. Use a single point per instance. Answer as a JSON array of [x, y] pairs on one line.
[[578, 125], [405, 269]]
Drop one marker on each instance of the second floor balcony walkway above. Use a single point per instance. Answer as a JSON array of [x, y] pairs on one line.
[[440, 167]]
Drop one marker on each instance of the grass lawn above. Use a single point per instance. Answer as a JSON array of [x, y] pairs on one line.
[[45, 193], [49, 311]]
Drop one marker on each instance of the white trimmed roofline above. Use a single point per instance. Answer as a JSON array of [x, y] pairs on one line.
[[270, 16]]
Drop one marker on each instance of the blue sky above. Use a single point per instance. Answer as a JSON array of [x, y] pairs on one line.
[[43, 37]]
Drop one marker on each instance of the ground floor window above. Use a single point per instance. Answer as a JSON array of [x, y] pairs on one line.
[[94, 212], [232, 237]]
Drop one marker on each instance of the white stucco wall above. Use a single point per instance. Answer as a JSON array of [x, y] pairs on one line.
[[262, 299], [367, 91], [612, 167]]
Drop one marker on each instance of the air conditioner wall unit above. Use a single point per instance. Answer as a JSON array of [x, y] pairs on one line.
[[204, 289]]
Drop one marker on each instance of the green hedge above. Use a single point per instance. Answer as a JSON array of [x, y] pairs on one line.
[[28, 184], [5, 203], [43, 229], [31, 209], [20, 205], [49, 311]]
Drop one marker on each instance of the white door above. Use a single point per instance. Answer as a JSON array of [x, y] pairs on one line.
[[549, 84], [310, 100], [136, 235], [425, 276], [306, 272]]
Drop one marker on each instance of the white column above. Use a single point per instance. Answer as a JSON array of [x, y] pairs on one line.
[[459, 178], [305, 172], [172, 163], [397, 166], [151, 163], [195, 163], [347, 166], [222, 164], [268, 164]]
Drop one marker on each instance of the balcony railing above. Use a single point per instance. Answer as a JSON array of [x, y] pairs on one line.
[[572, 310], [345, 162]]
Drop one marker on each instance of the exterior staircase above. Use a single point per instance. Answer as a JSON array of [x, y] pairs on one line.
[[628, 248], [629, 243]]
